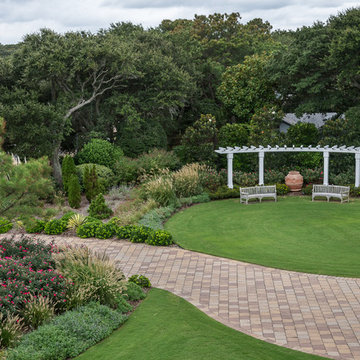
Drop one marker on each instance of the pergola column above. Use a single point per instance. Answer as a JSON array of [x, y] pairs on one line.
[[261, 167], [230, 170], [357, 169], [326, 168]]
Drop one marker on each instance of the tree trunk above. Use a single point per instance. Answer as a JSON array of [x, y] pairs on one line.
[[55, 162]]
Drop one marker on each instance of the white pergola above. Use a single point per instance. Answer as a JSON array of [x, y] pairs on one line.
[[261, 150]]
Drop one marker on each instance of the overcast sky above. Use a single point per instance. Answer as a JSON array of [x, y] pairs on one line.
[[20, 17]]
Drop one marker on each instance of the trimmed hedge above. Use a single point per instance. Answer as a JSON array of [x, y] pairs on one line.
[[69, 334]]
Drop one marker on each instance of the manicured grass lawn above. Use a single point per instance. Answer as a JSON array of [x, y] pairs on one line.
[[294, 233], [167, 327]]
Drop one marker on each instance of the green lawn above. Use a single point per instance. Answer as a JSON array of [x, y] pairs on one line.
[[167, 327], [294, 233]]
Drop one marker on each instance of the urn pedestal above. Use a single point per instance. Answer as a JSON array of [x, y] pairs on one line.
[[294, 181]]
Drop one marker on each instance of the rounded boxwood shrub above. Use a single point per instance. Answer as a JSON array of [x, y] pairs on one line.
[[55, 227], [99, 151], [160, 238], [141, 234], [5, 225], [88, 229], [124, 232], [35, 226], [104, 231], [140, 280]]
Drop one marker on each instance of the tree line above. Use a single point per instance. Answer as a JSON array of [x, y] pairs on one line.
[[153, 88]]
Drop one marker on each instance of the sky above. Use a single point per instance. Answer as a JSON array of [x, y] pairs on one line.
[[21, 17]]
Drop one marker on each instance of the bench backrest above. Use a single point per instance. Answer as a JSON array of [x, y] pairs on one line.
[[269, 189], [331, 189]]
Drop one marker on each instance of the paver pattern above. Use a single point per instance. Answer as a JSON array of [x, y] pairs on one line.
[[312, 313]]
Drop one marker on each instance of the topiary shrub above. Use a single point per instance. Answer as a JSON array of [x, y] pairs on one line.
[[5, 225], [105, 231], [140, 280], [74, 192], [100, 152], [55, 227], [282, 189], [160, 238], [98, 208], [68, 169], [35, 226]]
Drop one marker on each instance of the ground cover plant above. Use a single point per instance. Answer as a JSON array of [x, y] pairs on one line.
[[294, 233], [188, 334]]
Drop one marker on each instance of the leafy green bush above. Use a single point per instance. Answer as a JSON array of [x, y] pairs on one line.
[[74, 192], [98, 208], [105, 231], [69, 334], [99, 152], [124, 232], [202, 198], [210, 179], [343, 179], [312, 176], [55, 227], [68, 215], [354, 191], [272, 177], [5, 225], [88, 229], [105, 175], [122, 305], [223, 192], [244, 179], [140, 280], [134, 292], [157, 159], [282, 189], [307, 190], [126, 170], [160, 238], [140, 234], [35, 226]]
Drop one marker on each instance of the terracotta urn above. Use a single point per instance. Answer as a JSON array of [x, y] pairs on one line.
[[294, 181]]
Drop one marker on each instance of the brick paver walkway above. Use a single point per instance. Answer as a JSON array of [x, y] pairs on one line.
[[312, 313]]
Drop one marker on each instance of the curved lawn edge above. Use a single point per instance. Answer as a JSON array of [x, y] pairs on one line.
[[201, 229], [165, 326]]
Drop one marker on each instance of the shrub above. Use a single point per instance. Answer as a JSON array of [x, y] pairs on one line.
[[55, 227], [90, 182], [68, 215], [354, 191], [312, 176], [160, 238], [75, 221], [74, 192], [35, 226], [223, 192], [244, 179], [282, 189], [187, 181], [5, 225], [37, 311], [124, 232], [140, 280], [98, 209], [126, 170], [88, 229], [273, 177], [202, 198], [105, 176], [157, 159], [99, 152], [210, 179], [105, 231], [156, 217], [68, 169], [10, 330], [343, 178], [122, 305], [93, 272], [134, 292], [307, 190], [140, 234], [69, 334]]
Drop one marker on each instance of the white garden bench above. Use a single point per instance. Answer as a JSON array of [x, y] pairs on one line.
[[329, 191], [257, 192]]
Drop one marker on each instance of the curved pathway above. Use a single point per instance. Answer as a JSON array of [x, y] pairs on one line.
[[317, 314]]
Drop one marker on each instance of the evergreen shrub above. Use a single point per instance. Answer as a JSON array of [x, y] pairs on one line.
[[35, 226], [105, 231], [5, 225], [282, 189], [140, 280], [98, 208], [55, 227], [74, 192]]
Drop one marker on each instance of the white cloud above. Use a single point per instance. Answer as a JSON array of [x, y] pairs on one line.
[[20, 17]]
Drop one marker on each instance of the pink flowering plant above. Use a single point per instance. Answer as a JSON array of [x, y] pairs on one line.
[[26, 268]]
